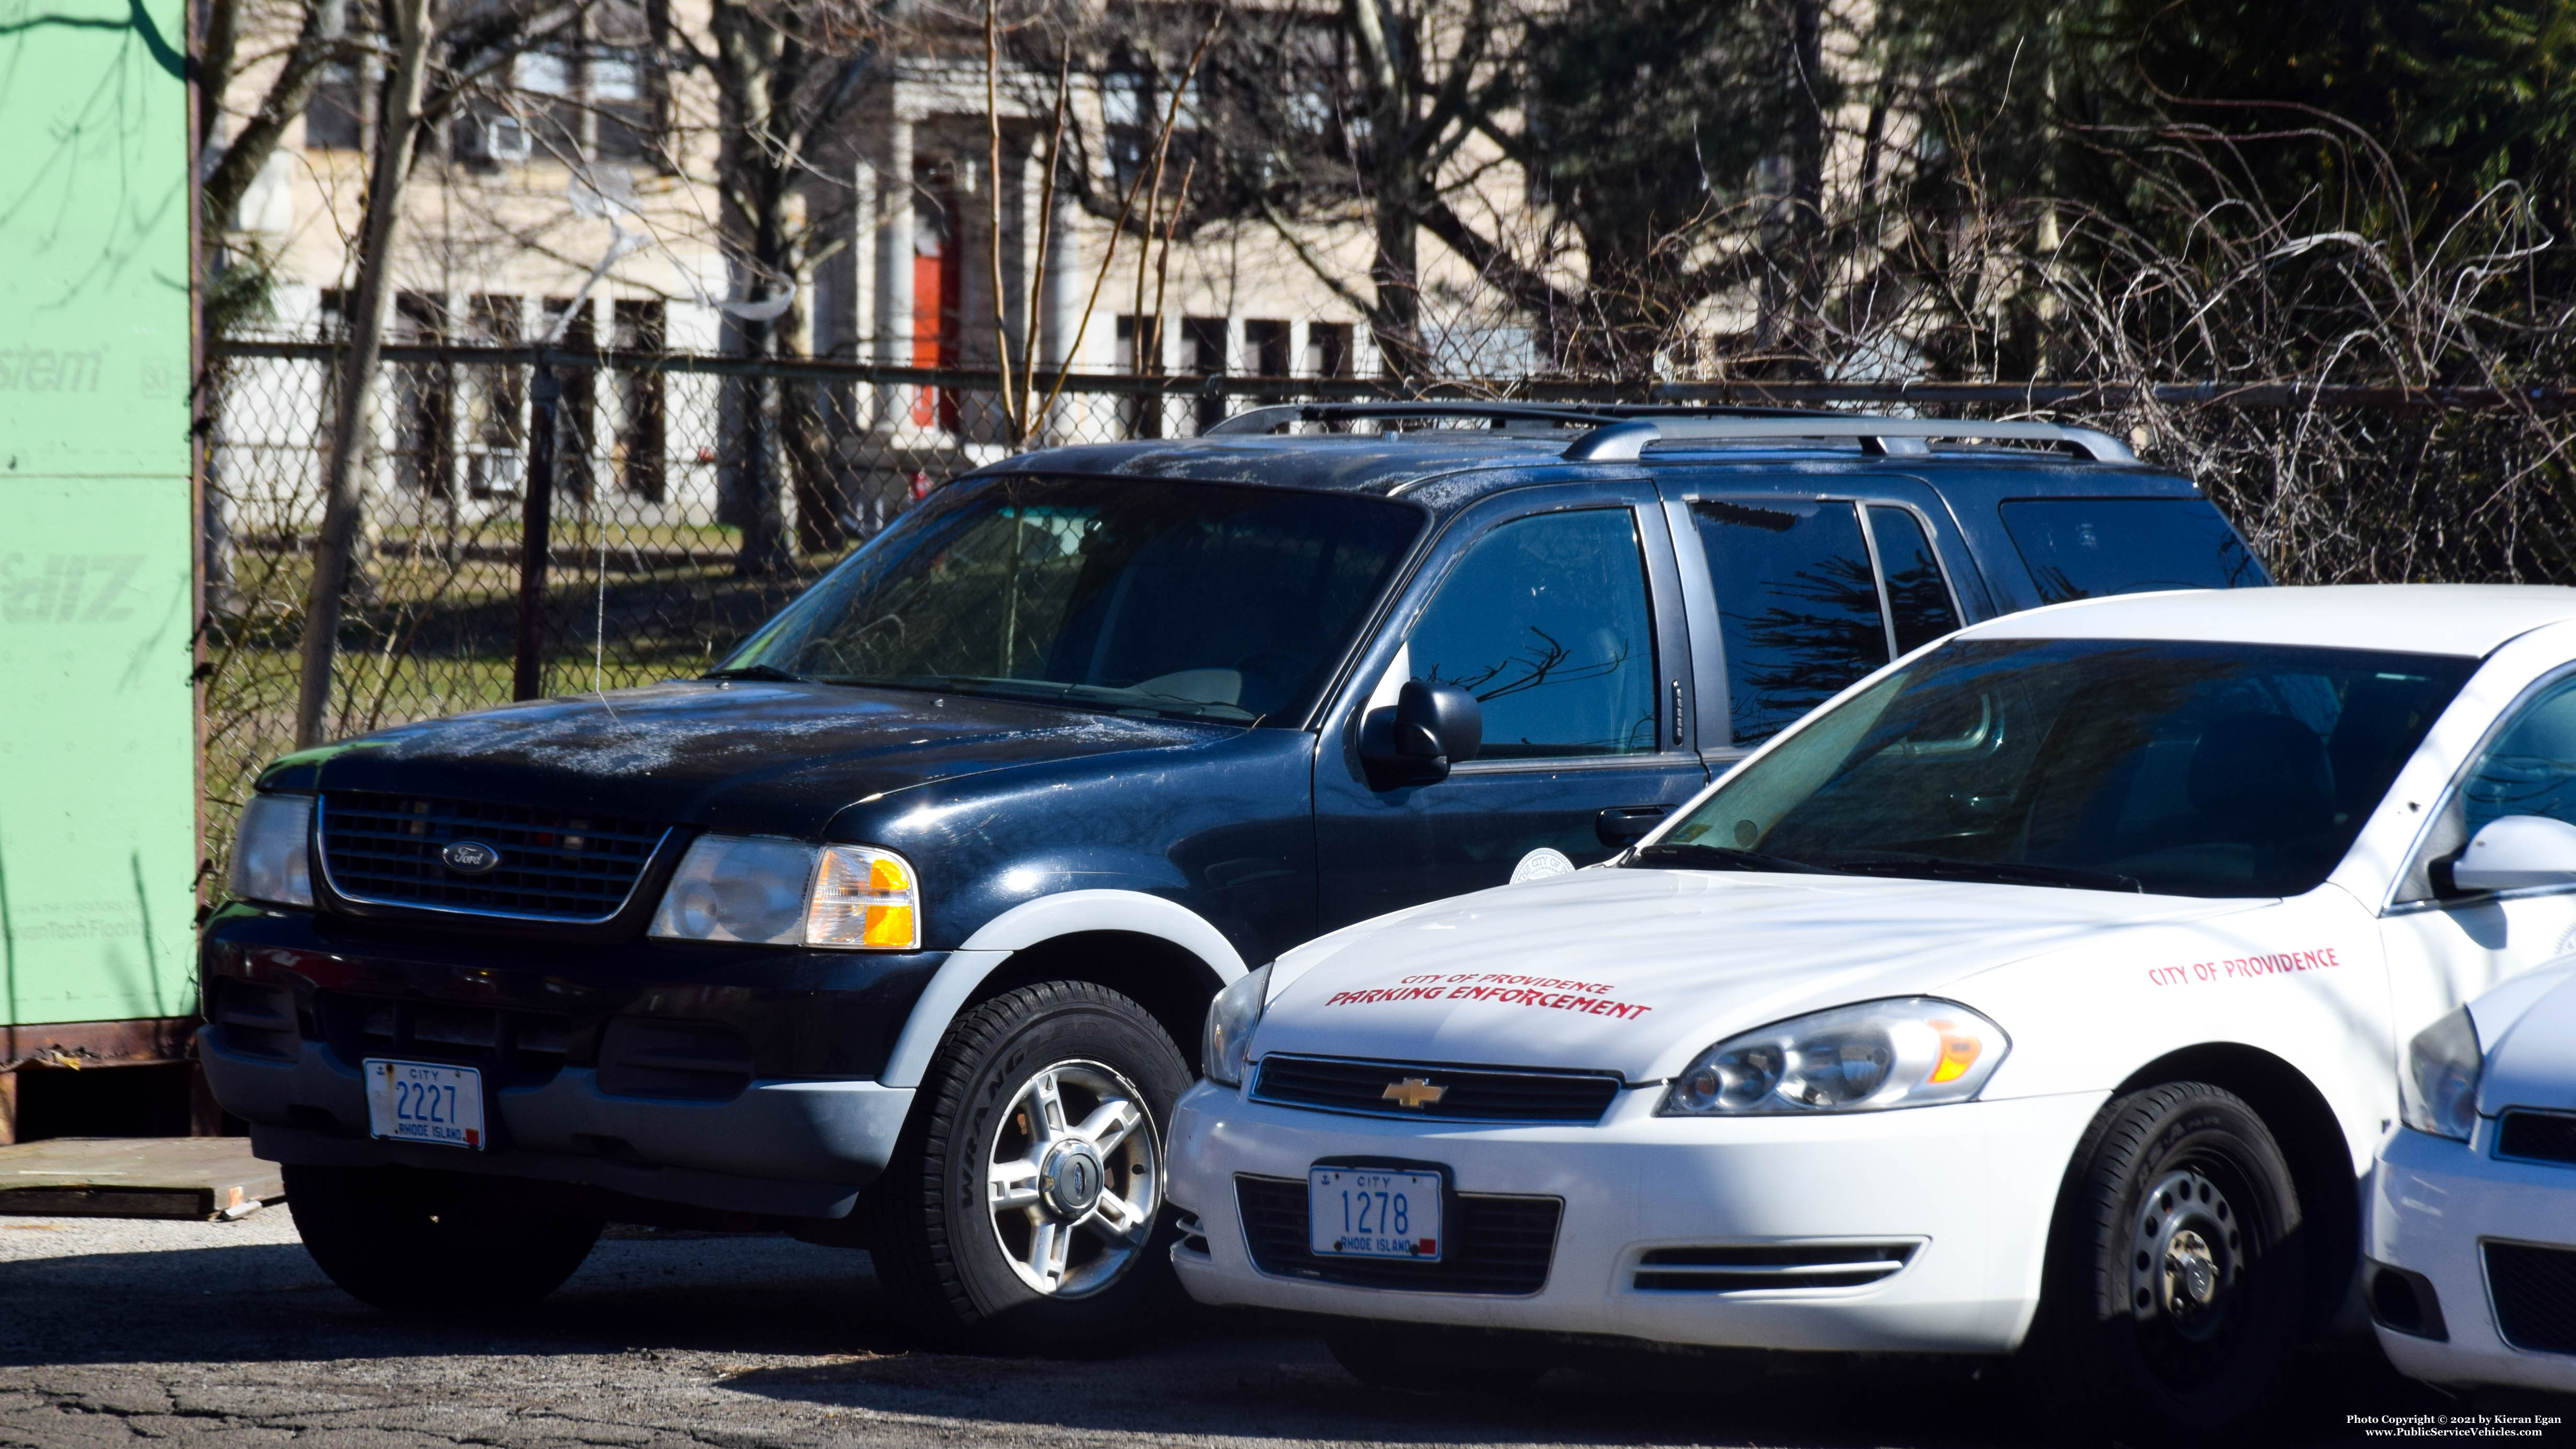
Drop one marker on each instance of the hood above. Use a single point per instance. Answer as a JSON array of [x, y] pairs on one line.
[[1638, 971], [779, 759], [2529, 1027]]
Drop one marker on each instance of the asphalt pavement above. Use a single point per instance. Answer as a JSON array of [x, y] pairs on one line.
[[114, 1332]]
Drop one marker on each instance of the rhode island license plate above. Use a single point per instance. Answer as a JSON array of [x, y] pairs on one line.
[[1368, 1212], [419, 1102]]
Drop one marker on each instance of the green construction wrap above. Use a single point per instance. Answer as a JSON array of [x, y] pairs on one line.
[[97, 730]]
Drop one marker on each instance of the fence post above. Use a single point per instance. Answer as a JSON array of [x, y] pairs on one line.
[[536, 525]]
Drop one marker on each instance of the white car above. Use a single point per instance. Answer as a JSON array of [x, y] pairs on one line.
[[2471, 1273], [2042, 991]]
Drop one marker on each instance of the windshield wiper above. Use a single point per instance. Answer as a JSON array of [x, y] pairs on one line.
[[1724, 857], [1091, 696], [759, 671], [1942, 867], [1108, 695]]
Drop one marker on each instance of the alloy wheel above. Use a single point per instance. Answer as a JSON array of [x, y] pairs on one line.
[[1073, 1179]]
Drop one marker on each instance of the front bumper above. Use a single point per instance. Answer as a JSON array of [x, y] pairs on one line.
[[794, 1123], [2432, 1203], [788, 1148], [1971, 1186]]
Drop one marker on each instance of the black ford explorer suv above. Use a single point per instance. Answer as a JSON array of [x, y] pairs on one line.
[[898, 929]]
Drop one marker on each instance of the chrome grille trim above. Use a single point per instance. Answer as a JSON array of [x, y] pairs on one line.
[[652, 848], [1486, 1094]]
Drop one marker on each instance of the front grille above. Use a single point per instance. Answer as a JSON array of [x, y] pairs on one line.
[[1467, 1094], [513, 1048], [2538, 1136], [1499, 1245], [1769, 1268], [2535, 1295], [556, 865]]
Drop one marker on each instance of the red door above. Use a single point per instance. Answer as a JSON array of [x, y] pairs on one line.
[[935, 288]]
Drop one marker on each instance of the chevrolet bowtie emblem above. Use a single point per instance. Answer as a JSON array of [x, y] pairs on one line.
[[1414, 1092]]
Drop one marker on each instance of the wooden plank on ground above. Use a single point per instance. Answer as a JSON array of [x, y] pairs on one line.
[[136, 1177]]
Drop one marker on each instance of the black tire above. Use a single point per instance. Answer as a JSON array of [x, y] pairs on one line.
[[1431, 1359], [410, 1241], [2175, 1268], [941, 1248]]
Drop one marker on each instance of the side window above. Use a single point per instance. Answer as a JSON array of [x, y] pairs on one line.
[[1919, 606], [2531, 767], [1545, 622], [1798, 607], [2083, 548]]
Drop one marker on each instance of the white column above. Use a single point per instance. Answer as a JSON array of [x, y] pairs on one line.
[[894, 266], [860, 315], [1066, 282]]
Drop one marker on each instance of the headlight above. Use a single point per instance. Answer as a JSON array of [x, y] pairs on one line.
[[1226, 1048], [785, 893], [2438, 1091], [273, 853], [1910, 1052]]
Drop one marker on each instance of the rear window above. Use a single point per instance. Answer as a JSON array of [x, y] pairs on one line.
[[2083, 548]]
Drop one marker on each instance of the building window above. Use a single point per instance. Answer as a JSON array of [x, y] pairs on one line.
[[495, 403], [335, 119], [577, 406], [1328, 349], [1140, 414], [1205, 339], [621, 114], [1265, 346], [595, 92], [1127, 125], [424, 402], [638, 448]]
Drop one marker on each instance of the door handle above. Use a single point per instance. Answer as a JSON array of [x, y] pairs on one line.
[[1623, 825]]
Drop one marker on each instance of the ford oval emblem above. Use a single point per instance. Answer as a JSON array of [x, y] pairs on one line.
[[469, 857]]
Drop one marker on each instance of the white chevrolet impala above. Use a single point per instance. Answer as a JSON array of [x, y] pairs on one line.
[[2042, 993]]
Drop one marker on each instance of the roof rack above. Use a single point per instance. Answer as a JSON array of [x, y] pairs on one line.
[[1894, 437], [1620, 432], [1271, 419], [1579, 414]]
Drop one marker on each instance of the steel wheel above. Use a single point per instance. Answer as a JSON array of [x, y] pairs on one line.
[[2185, 1257], [2176, 1268], [1072, 1178]]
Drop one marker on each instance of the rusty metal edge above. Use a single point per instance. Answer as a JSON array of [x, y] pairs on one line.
[[144, 1041]]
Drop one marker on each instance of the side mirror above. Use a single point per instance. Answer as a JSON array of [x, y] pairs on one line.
[[1431, 728], [2515, 852]]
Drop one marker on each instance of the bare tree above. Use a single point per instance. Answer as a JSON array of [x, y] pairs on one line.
[[1067, 170], [397, 137], [786, 74]]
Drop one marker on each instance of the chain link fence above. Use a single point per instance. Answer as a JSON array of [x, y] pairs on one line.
[[692, 496], [695, 494]]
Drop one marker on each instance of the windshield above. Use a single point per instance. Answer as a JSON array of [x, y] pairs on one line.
[[1211, 601], [2175, 768]]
